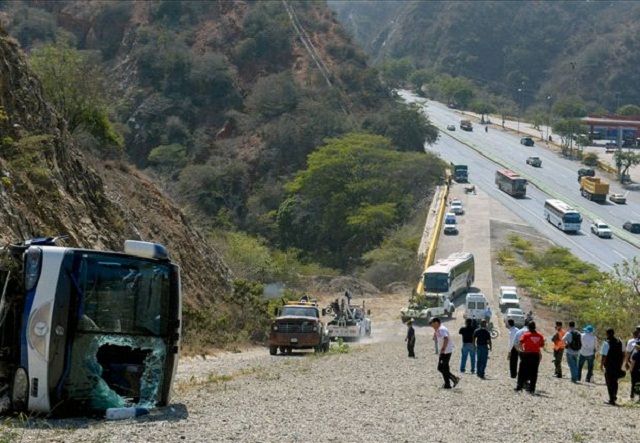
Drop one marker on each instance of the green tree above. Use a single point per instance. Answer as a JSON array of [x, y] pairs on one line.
[[354, 189], [625, 160], [568, 129], [168, 158], [273, 95], [482, 107], [407, 127], [420, 77], [396, 72], [456, 90], [628, 110], [570, 108], [73, 82]]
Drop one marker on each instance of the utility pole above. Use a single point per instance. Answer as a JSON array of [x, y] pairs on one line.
[[521, 107], [548, 116]]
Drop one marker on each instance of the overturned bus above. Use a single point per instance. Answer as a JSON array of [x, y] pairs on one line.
[[82, 331]]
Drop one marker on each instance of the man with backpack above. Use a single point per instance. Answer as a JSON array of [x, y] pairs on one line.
[[573, 343], [611, 363]]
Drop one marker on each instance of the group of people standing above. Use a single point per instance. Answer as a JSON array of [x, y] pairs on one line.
[[525, 354]]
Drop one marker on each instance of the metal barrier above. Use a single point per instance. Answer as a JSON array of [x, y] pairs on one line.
[[435, 235]]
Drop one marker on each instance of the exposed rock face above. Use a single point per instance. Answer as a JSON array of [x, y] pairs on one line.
[[48, 188]]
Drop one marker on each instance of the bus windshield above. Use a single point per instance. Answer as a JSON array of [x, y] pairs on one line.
[[436, 282], [572, 217], [520, 184], [123, 295]]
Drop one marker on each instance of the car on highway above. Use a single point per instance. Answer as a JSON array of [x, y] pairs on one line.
[[632, 227], [601, 229], [619, 199], [450, 223], [451, 127], [508, 298], [456, 207], [536, 162], [515, 314], [586, 172], [527, 141]]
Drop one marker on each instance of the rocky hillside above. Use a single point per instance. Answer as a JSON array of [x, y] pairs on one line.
[[556, 48], [49, 188]]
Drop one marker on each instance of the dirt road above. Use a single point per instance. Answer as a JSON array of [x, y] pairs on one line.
[[373, 392]]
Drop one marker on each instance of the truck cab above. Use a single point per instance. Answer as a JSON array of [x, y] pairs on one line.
[[430, 305], [298, 325]]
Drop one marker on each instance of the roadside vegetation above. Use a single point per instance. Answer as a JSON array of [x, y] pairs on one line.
[[573, 288]]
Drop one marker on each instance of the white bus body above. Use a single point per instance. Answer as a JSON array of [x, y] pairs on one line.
[[562, 215], [450, 276], [83, 331]]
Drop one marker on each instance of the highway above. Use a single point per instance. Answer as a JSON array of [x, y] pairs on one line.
[[556, 179]]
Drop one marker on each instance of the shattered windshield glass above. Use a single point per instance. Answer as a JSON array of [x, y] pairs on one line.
[[123, 295]]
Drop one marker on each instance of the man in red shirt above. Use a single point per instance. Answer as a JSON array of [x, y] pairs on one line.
[[531, 344]]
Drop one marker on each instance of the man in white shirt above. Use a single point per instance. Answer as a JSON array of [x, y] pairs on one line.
[[445, 344], [629, 350], [631, 343], [512, 350], [587, 353]]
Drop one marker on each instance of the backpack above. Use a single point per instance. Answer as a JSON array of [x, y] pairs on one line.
[[576, 341]]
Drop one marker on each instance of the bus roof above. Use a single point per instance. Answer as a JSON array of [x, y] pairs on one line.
[[559, 205], [509, 174], [446, 264]]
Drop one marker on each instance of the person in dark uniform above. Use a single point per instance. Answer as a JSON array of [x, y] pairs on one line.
[[611, 363], [482, 342], [411, 339]]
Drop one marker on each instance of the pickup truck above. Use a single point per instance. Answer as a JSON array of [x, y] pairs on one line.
[[298, 325], [508, 298], [425, 308]]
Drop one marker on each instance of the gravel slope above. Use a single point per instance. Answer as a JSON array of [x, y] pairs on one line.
[[373, 392]]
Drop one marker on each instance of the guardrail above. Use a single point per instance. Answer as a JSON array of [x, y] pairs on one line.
[[434, 235]]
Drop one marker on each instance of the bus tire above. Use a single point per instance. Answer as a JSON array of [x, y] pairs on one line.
[[449, 313], [273, 350]]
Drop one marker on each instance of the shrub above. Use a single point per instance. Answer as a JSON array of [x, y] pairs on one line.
[[273, 95], [590, 159]]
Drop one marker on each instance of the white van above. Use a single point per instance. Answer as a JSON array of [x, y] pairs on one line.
[[475, 304]]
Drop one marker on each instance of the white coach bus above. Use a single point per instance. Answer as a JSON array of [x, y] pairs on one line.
[[562, 216], [450, 276], [82, 330]]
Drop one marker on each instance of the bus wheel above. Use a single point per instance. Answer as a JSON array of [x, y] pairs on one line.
[[273, 350], [20, 390], [449, 314]]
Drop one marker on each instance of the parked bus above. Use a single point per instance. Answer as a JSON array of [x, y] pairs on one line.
[[561, 215], [82, 331], [511, 183], [450, 276]]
